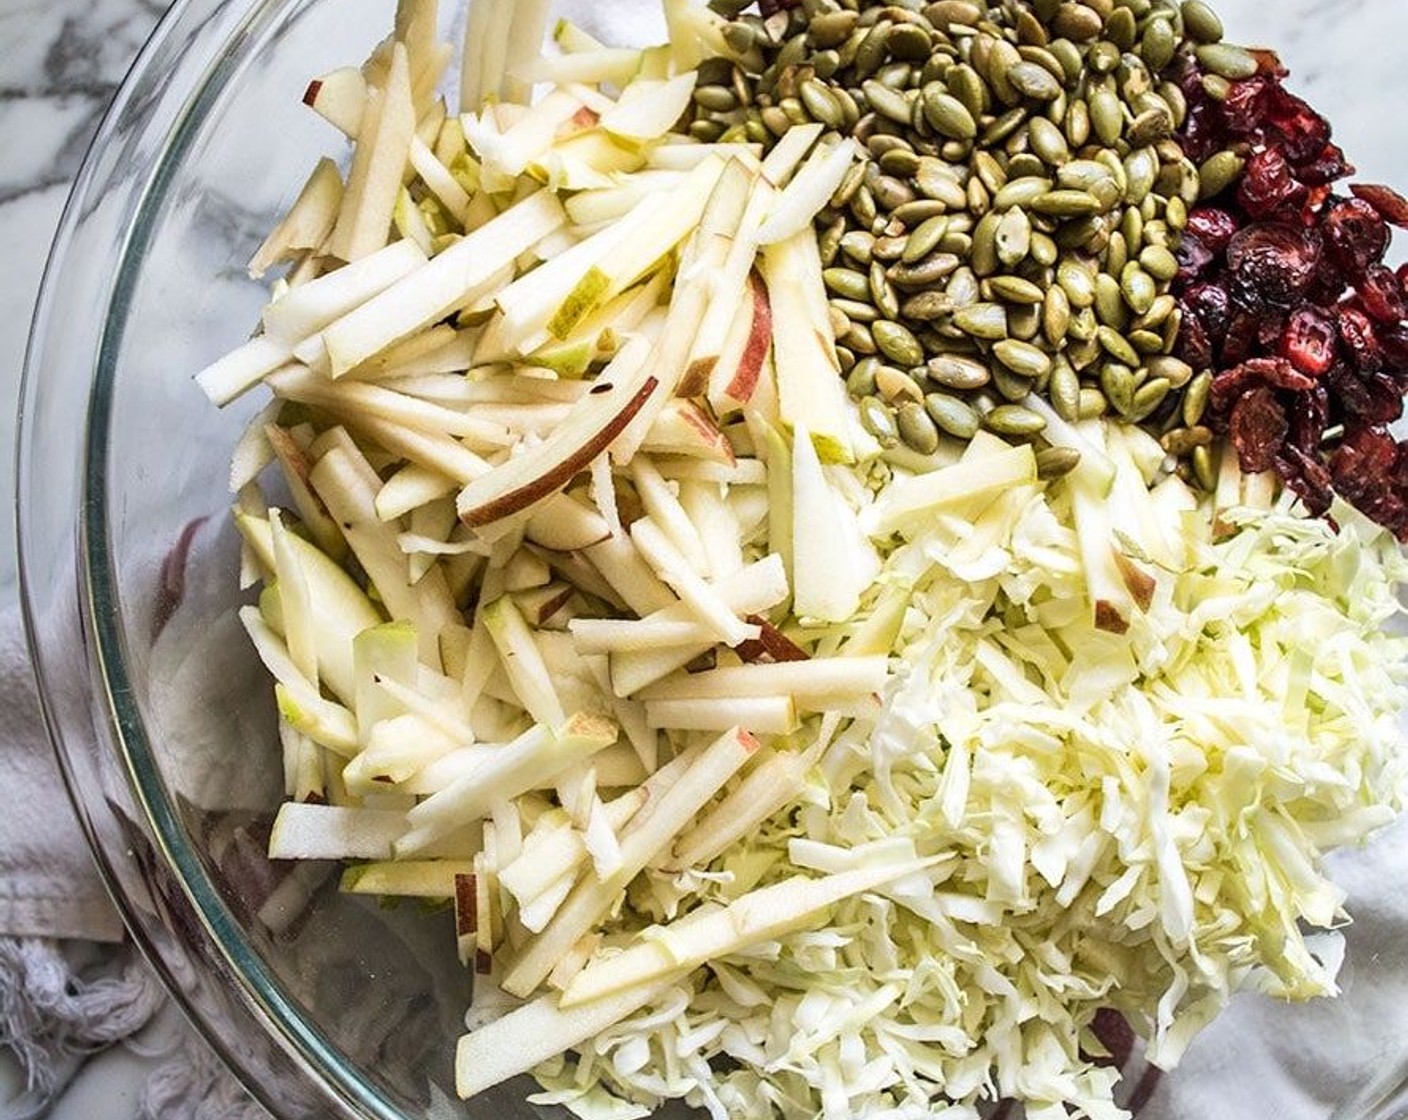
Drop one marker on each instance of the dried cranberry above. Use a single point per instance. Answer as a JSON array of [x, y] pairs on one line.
[[1391, 205], [1254, 373], [1393, 341], [1327, 167], [1239, 339], [1213, 226], [1308, 477], [1193, 257], [1268, 188], [1375, 399], [1357, 334], [1211, 304], [1355, 235], [1193, 344], [1258, 428], [1308, 341], [1245, 105], [1381, 294], [1309, 415], [1302, 133], [1273, 262]]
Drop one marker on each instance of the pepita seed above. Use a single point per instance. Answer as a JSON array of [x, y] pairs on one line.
[[1063, 203], [1116, 254], [1010, 386], [1148, 397], [1106, 116], [1138, 288], [885, 101], [920, 274], [982, 320], [1076, 22], [1077, 283], [937, 181], [1064, 390], [916, 428], [1180, 441], [900, 162], [1013, 237], [1227, 61], [924, 240], [916, 212], [1121, 28], [1056, 462], [926, 306], [831, 29], [1092, 404], [909, 43], [1203, 470], [984, 259], [1200, 22], [858, 311], [952, 371], [1021, 192], [1055, 315], [821, 103], [1158, 262], [857, 245], [1159, 43], [1116, 345], [1195, 399], [894, 385], [952, 415], [1014, 420], [1218, 172], [846, 282], [1117, 385], [860, 382], [947, 115], [873, 48], [1146, 342], [1014, 289], [1034, 81], [879, 421], [897, 343], [1044, 251], [1047, 141], [1109, 302], [1022, 358]]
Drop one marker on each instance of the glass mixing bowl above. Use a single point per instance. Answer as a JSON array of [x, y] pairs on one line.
[[324, 1004]]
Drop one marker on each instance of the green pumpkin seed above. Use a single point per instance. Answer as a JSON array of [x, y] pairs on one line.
[[1013, 237], [897, 343], [1092, 404], [859, 339], [1014, 420], [935, 180], [1118, 386], [885, 101], [1056, 462], [1195, 399], [984, 258], [870, 55], [926, 307], [846, 282], [1180, 441], [916, 428], [964, 83], [1022, 358], [1148, 397], [1064, 390], [1034, 81], [1138, 287], [1200, 22], [1159, 44], [887, 248], [858, 311], [1116, 254], [1109, 302], [896, 385], [860, 382], [879, 421], [900, 162], [924, 240], [1014, 289], [821, 103], [1227, 61], [1047, 141], [1068, 55], [1122, 29], [982, 320], [1055, 315], [1021, 192], [882, 292], [1158, 262], [1044, 251], [715, 99], [857, 245], [962, 287], [1116, 345], [920, 274], [1010, 386], [1149, 127], [952, 371], [952, 415], [1146, 342], [1203, 469], [1077, 22], [947, 115], [986, 167], [1106, 116], [1218, 172], [831, 29], [1077, 283], [915, 213], [909, 43]]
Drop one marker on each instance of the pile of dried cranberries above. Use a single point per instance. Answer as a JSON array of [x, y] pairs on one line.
[[1286, 298]]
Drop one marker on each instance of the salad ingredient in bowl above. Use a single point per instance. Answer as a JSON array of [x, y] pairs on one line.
[[853, 548]]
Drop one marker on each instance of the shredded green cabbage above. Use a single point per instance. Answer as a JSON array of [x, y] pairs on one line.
[[1131, 822]]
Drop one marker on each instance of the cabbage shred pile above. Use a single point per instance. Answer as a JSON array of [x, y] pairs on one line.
[[1131, 823]]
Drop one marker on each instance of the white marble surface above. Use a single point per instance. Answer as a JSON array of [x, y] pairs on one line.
[[61, 60]]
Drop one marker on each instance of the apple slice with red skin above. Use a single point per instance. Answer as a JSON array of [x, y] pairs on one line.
[[683, 428], [736, 376], [339, 97]]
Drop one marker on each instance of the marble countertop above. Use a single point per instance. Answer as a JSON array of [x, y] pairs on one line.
[[63, 59]]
